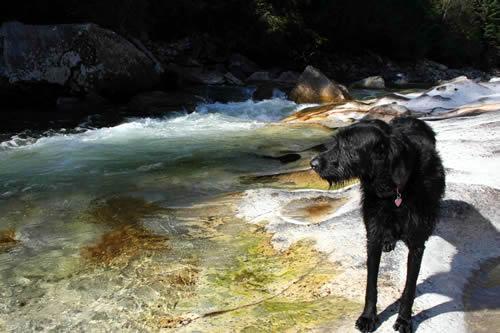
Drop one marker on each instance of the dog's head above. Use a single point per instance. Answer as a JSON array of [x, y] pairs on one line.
[[367, 150]]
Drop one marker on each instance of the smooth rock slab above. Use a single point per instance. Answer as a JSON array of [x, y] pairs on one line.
[[467, 234]]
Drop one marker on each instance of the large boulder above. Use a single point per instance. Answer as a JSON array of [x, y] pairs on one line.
[[80, 58], [241, 66], [314, 87], [261, 76]]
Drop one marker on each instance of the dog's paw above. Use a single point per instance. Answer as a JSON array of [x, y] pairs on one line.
[[366, 324], [402, 325]]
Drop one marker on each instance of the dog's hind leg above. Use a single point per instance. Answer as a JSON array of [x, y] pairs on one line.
[[368, 319], [403, 323]]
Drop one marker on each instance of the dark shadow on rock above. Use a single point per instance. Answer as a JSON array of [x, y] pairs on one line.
[[474, 237]]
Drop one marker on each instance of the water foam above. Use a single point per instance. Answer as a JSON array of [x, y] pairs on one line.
[[208, 120]]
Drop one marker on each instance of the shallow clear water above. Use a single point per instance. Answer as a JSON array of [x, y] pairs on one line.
[[69, 201]]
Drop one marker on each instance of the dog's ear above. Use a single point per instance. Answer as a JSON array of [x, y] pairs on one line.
[[401, 160]]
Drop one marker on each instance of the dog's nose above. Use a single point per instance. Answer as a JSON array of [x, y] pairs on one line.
[[315, 163]]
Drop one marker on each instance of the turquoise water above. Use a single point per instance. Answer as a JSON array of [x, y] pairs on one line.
[[61, 193]]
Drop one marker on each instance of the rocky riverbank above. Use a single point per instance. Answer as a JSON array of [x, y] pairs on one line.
[[79, 69]]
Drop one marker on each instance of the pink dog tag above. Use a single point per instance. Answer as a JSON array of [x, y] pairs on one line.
[[398, 199]]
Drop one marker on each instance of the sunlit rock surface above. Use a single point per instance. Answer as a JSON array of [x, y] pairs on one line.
[[314, 87], [467, 235], [456, 98]]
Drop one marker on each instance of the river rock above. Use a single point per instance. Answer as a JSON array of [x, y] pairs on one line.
[[387, 112], [241, 64], [79, 57], [231, 79], [331, 115], [160, 101], [197, 75], [314, 87], [265, 91], [90, 103], [371, 82], [397, 79], [259, 77], [288, 77]]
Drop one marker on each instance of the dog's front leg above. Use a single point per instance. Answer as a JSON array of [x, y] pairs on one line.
[[403, 323], [367, 321]]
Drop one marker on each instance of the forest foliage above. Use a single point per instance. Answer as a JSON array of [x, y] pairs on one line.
[[292, 32]]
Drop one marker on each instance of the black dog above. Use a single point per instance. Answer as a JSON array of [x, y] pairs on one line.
[[402, 181]]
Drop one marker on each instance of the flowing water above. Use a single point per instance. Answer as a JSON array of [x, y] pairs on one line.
[[133, 227]]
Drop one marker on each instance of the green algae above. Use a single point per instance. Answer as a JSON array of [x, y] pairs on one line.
[[245, 284], [281, 314]]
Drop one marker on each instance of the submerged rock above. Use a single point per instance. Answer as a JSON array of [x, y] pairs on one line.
[[371, 82], [123, 244], [78, 57], [119, 211], [8, 240], [302, 179], [314, 87]]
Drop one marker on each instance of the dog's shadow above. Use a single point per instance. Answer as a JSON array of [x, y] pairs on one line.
[[474, 237]]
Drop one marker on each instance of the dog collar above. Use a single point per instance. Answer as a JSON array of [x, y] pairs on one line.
[[399, 200]]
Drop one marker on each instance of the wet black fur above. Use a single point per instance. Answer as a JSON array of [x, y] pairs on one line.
[[386, 157]]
